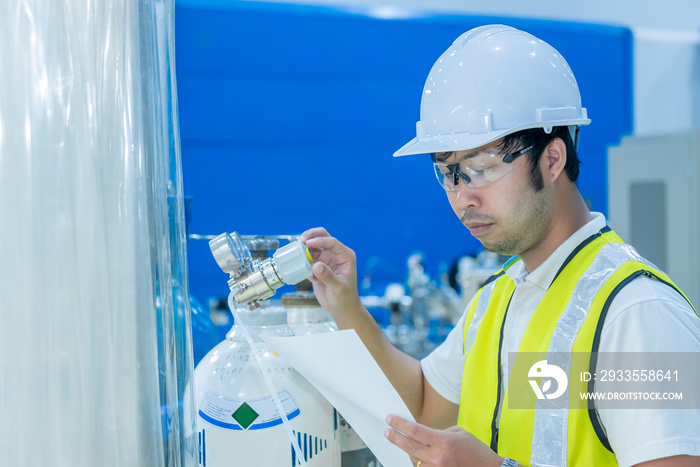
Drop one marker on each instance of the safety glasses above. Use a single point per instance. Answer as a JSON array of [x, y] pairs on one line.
[[476, 170]]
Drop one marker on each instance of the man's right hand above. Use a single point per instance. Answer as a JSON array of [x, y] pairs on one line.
[[335, 285], [334, 275]]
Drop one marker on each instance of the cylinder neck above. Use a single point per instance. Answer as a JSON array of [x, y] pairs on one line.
[[268, 320], [308, 316], [303, 308], [300, 299]]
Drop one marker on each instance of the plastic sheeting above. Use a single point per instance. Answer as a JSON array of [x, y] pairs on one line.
[[95, 353]]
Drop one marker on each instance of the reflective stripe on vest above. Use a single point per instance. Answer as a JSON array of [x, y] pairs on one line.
[[566, 320], [479, 305], [484, 360]]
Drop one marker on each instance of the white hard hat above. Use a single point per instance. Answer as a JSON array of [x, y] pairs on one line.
[[493, 81]]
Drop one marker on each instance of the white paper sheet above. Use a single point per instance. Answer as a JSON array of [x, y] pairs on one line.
[[342, 369]]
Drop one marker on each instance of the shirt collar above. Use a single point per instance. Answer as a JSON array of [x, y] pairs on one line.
[[543, 276]]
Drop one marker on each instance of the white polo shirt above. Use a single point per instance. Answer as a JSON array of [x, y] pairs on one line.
[[645, 316]]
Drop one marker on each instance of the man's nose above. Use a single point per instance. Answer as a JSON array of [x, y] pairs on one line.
[[466, 196]]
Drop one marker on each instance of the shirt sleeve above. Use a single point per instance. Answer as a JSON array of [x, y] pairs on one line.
[[443, 367], [648, 316]]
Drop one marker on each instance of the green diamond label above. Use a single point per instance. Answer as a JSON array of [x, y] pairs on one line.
[[245, 415]]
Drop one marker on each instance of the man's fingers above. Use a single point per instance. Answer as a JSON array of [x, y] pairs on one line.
[[410, 436], [412, 447], [325, 248], [329, 250], [313, 233], [318, 244], [327, 243], [326, 275], [413, 430]]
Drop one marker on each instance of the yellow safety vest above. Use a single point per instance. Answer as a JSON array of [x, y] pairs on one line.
[[597, 269]]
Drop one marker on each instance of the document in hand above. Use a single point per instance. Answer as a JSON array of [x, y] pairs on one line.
[[342, 369]]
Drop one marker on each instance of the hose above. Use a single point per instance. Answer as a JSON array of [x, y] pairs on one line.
[[266, 377]]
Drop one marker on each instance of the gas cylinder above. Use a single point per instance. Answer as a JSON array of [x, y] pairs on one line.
[[237, 418]]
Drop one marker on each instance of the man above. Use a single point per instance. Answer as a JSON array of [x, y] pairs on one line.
[[500, 114]]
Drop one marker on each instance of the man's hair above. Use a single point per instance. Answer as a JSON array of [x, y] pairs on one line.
[[540, 139]]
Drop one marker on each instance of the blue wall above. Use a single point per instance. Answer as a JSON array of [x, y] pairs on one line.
[[290, 114]]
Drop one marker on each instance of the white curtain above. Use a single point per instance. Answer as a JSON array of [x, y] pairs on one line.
[[95, 342]]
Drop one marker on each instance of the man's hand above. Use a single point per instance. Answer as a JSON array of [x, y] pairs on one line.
[[335, 274], [453, 447]]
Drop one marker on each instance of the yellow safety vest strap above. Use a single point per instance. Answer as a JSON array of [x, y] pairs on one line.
[[494, 420], [612, 237], [595, 421], [481, 360]]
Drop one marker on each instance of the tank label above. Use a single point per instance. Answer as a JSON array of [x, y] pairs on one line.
[[246, 414]]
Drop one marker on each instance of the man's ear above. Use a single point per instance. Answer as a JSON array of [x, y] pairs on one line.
[[553, 160]]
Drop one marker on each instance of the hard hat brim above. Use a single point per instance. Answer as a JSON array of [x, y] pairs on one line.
[[467, 141]]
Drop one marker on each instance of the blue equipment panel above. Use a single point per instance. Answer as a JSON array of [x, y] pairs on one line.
[[290, 114]]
